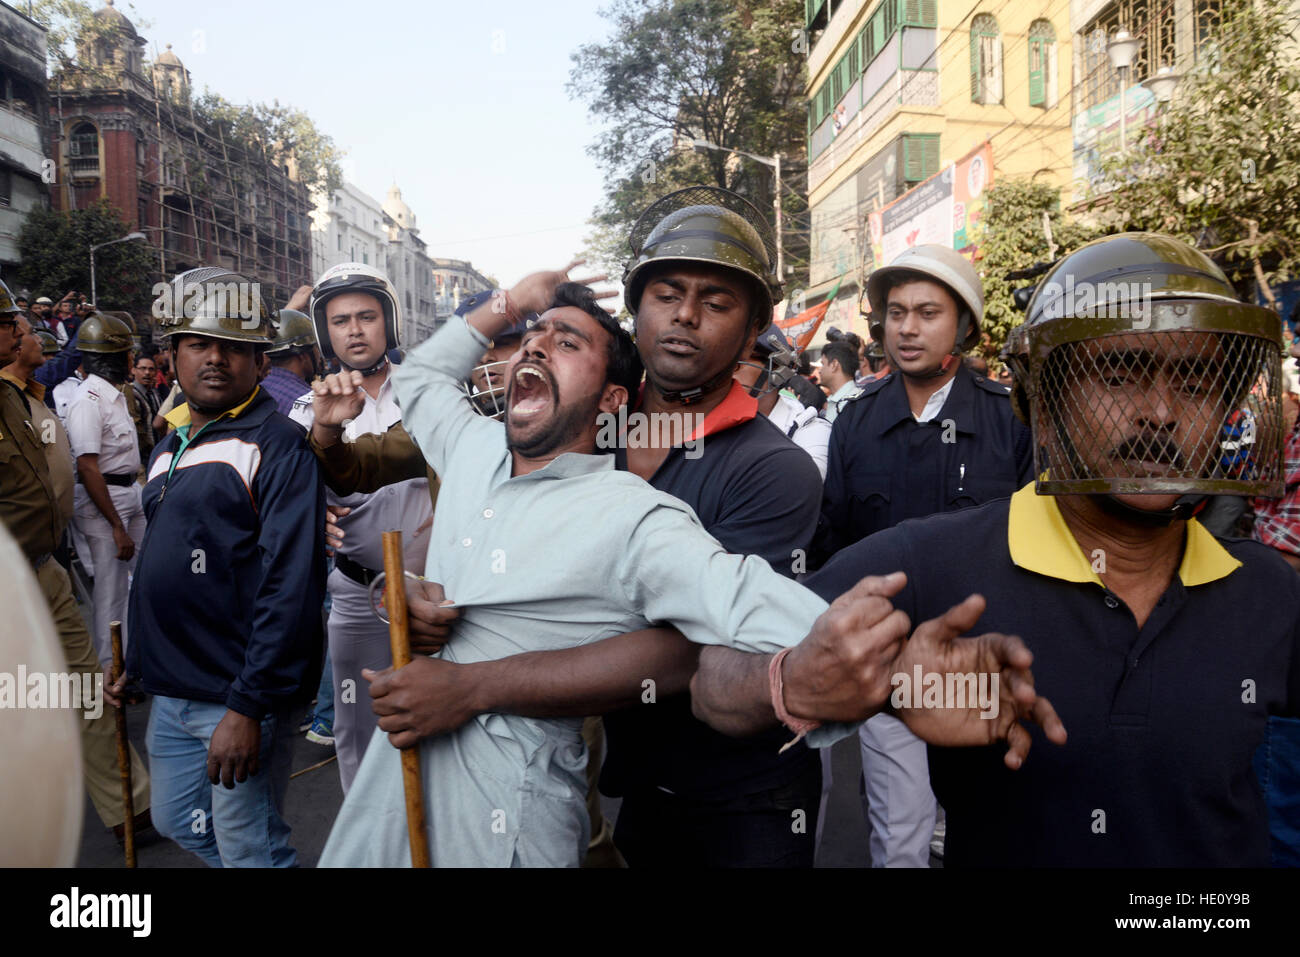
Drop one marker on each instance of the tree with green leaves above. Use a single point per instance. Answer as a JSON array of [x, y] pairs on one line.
[[1023, 227], [70, 27], [54, 249], [728, 72], [1220, 166], [274, 131]]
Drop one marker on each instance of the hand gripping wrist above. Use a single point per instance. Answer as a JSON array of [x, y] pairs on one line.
[[776, 686]]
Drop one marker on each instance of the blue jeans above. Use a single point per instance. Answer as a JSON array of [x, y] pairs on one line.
[[324, 712], [242, 827]]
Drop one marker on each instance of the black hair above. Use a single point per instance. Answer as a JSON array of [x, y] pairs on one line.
[[844, 354], [107, 365], [145, 353], [623, 362]]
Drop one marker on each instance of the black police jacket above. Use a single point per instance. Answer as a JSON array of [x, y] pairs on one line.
[[885, 467]]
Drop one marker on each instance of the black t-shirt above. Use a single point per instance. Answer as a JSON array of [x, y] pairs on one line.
[[1163, 721], [757, 493]]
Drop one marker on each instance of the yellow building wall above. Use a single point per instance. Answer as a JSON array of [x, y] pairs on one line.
[[1028, 141]]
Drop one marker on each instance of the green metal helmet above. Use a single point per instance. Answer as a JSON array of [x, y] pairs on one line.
[[294, 331], [1139, 370], [704, 224], [7, 305], [100, 333], [49, 343], [214, 302]]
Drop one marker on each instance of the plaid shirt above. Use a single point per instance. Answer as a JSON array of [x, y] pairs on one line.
[[1277, 520], [284, 387]]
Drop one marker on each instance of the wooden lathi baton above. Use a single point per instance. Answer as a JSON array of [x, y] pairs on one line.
[[399, 641], [123, 750]]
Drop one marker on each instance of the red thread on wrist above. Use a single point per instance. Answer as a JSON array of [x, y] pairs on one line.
[[776, 686], [513, 314]]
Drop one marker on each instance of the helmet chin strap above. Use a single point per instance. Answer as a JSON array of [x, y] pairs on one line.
[[383, 361], [1186, 507], [691, 396]]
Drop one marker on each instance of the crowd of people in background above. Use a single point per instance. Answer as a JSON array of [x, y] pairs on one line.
[[221, 484]]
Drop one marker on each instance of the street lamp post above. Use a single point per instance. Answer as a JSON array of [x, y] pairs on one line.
[[1121, 50], [775, 163], [127, 238]]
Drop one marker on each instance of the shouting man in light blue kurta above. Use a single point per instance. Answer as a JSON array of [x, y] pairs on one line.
[[543, 545]]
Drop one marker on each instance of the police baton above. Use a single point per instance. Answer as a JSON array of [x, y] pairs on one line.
[[399, 641], [123, 750]]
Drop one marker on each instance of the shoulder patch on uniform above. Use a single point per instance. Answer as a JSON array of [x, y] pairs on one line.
[[872, 387], [988, 385]]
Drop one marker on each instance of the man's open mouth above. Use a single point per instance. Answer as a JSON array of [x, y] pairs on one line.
[[530, 393]]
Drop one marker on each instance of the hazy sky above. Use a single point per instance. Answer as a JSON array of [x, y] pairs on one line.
[[462, 104]]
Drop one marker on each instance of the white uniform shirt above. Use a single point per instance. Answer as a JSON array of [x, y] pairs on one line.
[[835, 401], [935, 402], [811, 432], [100, 423], [404, 506], [63, 394]]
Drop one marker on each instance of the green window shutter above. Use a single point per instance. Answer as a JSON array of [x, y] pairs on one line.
[[931, 155], [855, 63], [1037, 76], [891, 16], [975, 68], [920, 156], [920, 13]]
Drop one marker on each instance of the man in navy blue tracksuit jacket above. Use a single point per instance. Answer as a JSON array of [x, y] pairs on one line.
[[225, 604]]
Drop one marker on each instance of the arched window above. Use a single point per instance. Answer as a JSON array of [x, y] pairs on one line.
[[85, 141], [83, 150], [985, 60], [1042, 64]]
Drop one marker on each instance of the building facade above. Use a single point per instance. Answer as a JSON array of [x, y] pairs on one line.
[[127, 131], [901, 93], [348, 226], [24, 112], [1171, 33], [453, 280]]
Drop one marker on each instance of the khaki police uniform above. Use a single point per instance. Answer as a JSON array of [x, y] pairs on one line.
[[28, 506]]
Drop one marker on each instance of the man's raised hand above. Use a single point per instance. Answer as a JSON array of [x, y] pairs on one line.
[[337, 398], [536, 291], [936, 648]]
